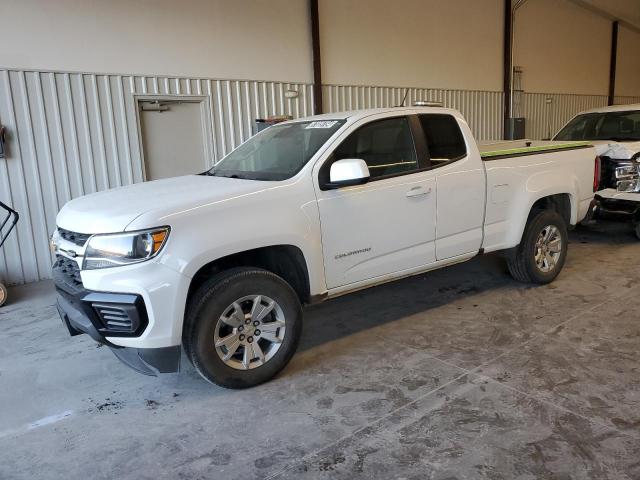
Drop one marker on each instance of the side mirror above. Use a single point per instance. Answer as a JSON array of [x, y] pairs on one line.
[[347, 172]]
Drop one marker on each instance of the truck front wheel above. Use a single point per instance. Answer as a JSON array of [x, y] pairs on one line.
[[242, 327], [542, 252]]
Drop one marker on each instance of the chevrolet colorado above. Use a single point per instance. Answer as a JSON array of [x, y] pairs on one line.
[[615, 133], [220, 263]]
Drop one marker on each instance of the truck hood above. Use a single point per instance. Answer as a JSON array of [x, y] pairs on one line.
[[618, 150], [113, 210]]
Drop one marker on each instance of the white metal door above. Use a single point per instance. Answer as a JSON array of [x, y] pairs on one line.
[[172, 138], [377, 229], [460, 199]]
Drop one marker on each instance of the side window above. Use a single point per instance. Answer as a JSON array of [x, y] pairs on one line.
[[578, 130], [444, 138], [386, 145]]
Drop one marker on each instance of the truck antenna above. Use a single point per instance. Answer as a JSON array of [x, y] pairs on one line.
[[406, 92]]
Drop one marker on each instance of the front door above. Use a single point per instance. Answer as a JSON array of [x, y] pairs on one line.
[[388, 224]]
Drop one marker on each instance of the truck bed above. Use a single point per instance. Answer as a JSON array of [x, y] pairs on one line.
[[515, 169], [514, 148]]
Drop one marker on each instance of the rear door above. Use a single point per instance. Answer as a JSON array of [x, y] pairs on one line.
[[388, 224], [460, 186]]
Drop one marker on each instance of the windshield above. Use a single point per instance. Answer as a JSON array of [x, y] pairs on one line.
[[617, 126], [277, 153]]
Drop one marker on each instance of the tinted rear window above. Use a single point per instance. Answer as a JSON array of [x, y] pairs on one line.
[[444, 138]]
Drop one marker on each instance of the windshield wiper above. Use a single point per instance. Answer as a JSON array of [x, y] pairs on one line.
[[213, 173]]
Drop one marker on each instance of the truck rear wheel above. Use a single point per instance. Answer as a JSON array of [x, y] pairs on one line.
[[242, 327], [540, 256]]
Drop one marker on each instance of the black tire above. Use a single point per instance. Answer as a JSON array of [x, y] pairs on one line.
[[210, 302], [636, 229], [522, 266]]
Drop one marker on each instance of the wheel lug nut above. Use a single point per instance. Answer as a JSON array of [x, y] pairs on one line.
[[241, 337], [250, 339], [247, 321], [256, 323], [240, 328], [257, 333]]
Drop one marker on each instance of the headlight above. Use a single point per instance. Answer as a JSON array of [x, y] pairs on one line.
[[117, 249], [628, 177], [627, 174]]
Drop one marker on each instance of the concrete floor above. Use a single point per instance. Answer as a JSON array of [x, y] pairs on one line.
[[458, 374]]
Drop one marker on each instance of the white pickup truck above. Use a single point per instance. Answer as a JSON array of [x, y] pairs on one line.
[[615, 133], [221, 263]]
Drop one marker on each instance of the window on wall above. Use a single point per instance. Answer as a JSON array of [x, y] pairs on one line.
[[444, 138], [385, 145]]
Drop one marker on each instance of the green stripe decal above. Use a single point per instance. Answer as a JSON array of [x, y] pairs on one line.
[[543, 148]]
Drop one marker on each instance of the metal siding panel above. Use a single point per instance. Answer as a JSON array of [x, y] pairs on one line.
[[88, 172], [16, 261], [35, 188], [214, 141], [70, 105], [121, 124], [625, 100], [61, 157], [482, 109]]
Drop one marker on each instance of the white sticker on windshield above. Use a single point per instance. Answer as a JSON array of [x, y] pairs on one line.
[[322, 124]]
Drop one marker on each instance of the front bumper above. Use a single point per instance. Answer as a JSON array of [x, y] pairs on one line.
[[79, 314], [614, 205]]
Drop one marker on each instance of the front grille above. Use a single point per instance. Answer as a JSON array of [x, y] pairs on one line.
[[66, 273], [78, 238]]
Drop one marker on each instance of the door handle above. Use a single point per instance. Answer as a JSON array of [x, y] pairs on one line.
[[418, 192]]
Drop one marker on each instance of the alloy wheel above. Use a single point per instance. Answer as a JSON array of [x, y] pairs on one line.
[[548, 248], [249, 332]]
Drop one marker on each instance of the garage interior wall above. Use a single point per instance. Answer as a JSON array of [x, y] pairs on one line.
[[196, 38], [564, 52], [562, 48], [68, 93], [628, 64], [407, 43]]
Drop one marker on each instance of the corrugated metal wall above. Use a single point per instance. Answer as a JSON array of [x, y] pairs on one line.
[[546, 113], [69, 134], [482, 109], [625, 100]]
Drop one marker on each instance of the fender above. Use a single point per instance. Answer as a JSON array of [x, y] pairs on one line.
[[538, 186], [188, 253]]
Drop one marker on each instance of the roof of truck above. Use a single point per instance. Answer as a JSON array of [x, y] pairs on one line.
[[614, 108], [356, 114]]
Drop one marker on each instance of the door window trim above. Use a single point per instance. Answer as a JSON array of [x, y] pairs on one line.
[[326, 165], [420, 132]]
